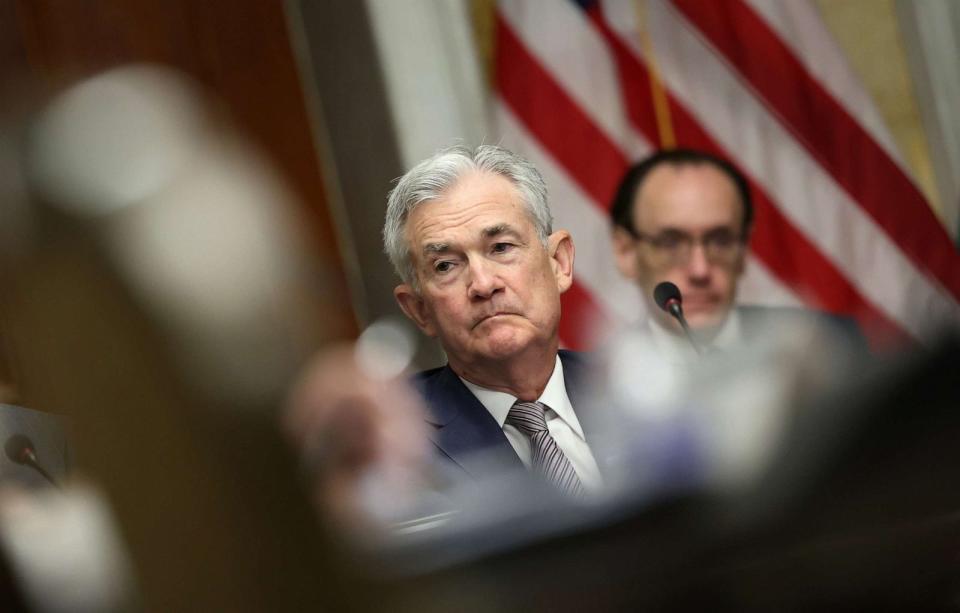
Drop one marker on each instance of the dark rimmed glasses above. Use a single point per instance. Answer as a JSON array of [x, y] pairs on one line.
[[674, 248]]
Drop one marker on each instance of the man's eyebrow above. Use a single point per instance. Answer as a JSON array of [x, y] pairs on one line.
[[434, 248], [497, 230]]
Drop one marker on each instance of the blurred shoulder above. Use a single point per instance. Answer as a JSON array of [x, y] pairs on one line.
[[757, 319]]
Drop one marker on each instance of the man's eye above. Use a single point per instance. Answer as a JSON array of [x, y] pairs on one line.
[[720, 239], [668, 241], [443, 266], [501, 247]]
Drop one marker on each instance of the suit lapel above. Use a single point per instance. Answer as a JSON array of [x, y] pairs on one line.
[[576, 377], [463, 426]]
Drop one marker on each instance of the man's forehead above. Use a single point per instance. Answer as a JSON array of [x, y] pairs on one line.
[[480, 186], [478, 203], [687, 195]]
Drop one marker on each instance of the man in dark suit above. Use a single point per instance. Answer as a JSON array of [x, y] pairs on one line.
[[470, 234], [685, 216]]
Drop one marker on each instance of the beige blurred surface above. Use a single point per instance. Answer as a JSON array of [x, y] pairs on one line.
[[869, 34]]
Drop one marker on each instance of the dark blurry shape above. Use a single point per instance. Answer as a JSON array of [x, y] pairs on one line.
[[667, 296], [162, 308], [20, 450], [858, 510]]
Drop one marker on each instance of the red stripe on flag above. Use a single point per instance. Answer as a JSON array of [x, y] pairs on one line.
[[784, 250], [824, 127], [594, 163], [582, 319]]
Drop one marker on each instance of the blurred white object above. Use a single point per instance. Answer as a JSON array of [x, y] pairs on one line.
[[196, 221], [386, 348], [714, 424], [117, 139], [64, 550]]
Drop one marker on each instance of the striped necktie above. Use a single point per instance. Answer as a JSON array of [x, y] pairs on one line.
[[548, 459]]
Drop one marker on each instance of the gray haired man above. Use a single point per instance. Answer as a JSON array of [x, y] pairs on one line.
[[469, 232], [470, 235]]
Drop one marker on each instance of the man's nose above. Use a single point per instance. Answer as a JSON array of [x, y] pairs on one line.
[[698, 266], [484, 280]]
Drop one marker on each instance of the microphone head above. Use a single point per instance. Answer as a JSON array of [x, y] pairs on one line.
[[666, 293], [19, 449]]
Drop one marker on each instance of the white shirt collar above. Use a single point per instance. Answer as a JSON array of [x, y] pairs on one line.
[[554, 396]]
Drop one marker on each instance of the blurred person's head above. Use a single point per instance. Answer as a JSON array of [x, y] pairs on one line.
[[684, 216], [469, 232]]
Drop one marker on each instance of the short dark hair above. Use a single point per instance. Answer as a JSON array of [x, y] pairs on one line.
[[621, 211]]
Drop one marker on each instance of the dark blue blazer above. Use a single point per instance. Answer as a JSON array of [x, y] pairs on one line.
[[461, 426]]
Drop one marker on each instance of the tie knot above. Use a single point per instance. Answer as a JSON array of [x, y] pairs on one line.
[[528, 417]]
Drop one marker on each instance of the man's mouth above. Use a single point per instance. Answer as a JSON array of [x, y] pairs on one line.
[[699, 303], [496, 315]]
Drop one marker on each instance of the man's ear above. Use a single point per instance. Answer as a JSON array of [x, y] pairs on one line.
[[561, 251], [625, 253], [415, 308]]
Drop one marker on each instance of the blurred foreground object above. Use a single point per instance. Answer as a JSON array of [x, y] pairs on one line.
[[160, 293], [64, 550], [198, 224], [792, 478], [361, 432]]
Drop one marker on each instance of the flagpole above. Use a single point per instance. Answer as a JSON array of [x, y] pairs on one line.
[[661, 106]]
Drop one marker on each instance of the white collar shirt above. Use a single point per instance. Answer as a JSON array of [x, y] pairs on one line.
[[562, 423]]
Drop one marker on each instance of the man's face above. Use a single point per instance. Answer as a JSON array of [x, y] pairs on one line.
[[489, 289], [689, 221]]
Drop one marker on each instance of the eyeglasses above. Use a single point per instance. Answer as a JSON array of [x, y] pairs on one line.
[[674, 248]]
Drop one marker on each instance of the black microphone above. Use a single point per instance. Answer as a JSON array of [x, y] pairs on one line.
[[20, 450], [667, 296]]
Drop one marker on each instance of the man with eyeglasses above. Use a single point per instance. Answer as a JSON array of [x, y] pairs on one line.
[[685, 216]]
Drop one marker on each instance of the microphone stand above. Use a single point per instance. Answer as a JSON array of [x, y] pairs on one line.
[[20, 450], [674, 308]]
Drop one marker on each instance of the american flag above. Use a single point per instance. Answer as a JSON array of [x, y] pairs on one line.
[[585, 88]]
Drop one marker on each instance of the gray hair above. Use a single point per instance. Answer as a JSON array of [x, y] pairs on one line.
[[431, 178]]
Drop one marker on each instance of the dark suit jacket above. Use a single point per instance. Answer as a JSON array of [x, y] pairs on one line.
[[461, 426]]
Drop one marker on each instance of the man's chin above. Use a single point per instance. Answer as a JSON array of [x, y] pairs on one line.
[[705, 322], [505, 341]]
